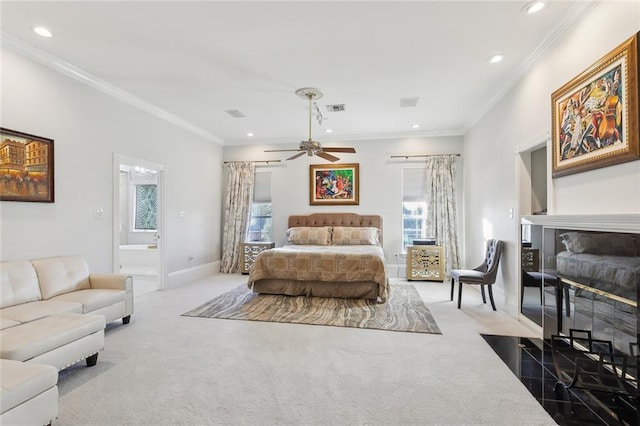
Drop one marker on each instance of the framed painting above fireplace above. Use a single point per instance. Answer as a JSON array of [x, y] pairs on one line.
[[595, 116]]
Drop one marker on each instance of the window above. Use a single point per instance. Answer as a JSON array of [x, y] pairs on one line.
[[260, 221], [146, 208], [414, 222], [414, 206]]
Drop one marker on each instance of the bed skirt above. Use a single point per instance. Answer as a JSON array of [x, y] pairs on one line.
[[347, 290]]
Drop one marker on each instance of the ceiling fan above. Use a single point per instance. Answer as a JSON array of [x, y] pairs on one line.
[[311, 147]]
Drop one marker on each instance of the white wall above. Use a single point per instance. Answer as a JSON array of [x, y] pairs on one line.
[[88, 127], [524, 114], [380, 180]]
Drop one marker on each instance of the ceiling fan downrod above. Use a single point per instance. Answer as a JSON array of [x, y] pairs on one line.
[[311, 94]]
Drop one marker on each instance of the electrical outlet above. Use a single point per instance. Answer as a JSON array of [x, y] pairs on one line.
[[98, 214]]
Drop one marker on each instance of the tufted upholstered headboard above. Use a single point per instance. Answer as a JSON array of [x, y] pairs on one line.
[[337, 219]]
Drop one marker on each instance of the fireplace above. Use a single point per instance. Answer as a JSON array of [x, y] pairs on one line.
[[589, 310]]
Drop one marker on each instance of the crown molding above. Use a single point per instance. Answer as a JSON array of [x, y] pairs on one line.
[[25, 49], [574, 14]]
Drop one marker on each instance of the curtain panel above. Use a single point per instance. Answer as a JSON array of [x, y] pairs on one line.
[[237, 208], [441, 207]]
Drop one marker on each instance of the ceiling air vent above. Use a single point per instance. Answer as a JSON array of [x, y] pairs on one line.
[[235, 113], [335, 107], [408, 102]]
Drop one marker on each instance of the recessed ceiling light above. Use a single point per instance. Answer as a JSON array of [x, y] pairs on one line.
[[249, 134], [328, 130], [416, 126], [495, 59], [42, 31], [533, 7]]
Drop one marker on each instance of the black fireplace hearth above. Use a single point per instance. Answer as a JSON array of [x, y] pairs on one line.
[[532, 361]]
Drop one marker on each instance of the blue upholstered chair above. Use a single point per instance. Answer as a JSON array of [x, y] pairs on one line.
[[482, 275]]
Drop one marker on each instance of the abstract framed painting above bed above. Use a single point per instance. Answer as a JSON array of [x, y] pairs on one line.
[[326, 255]]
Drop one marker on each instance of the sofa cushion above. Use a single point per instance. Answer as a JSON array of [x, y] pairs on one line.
[[6, 323], [93, 299], [61, 274], [23, 381], [36, 310], [46, 334], [19, 283]]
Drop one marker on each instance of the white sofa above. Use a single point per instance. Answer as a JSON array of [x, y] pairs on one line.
[[53, 313], [51, 309]]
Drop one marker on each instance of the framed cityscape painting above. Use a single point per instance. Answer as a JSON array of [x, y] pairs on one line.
[[334, 184], [26, 167], [595, 116]]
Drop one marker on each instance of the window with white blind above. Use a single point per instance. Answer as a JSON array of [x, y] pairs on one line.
[[414, 206], [260, 221]]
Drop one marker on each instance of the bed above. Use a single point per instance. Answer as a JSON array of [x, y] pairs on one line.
[[326, 255]]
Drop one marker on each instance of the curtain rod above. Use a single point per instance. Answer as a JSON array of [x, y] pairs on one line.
[[421, 155], [259, 161]]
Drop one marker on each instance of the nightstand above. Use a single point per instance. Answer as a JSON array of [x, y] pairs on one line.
[[249, 252], [425, 263]]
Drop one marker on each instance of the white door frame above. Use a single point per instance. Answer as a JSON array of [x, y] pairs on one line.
[[118, 160]]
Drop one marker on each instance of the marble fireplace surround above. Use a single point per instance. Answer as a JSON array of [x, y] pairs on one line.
[[603, 223]]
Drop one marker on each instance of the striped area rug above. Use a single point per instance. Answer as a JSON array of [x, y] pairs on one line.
[[404, 310]]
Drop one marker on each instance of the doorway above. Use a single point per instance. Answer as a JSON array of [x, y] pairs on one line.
[[138, 249], [533, 183]]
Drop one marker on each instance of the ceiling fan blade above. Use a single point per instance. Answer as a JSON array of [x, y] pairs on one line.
[[327, 156], [337, 149], [281, 150], [293, 157]]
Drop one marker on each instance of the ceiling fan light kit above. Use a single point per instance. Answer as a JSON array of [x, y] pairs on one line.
[[311, 147]]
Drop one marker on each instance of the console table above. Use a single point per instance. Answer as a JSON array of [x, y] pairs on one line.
[[249, 252], [425, 263]]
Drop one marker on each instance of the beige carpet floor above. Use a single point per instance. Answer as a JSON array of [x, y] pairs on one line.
[[404, 311], [167, 369]]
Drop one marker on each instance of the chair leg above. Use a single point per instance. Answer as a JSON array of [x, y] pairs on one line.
[[452, 283], [493, 304], [459, 293], [484, 298]]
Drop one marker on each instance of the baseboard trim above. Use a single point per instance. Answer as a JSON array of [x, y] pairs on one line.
[[183, 276]]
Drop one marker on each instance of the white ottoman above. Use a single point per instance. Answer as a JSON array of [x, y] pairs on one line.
[[29, 395], [59, 340]]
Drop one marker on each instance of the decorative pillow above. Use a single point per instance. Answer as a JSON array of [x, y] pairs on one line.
[[599, 243], [350, 236], [309, 235]]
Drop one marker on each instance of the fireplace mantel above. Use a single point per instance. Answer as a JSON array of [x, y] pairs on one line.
[[604, 222]]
